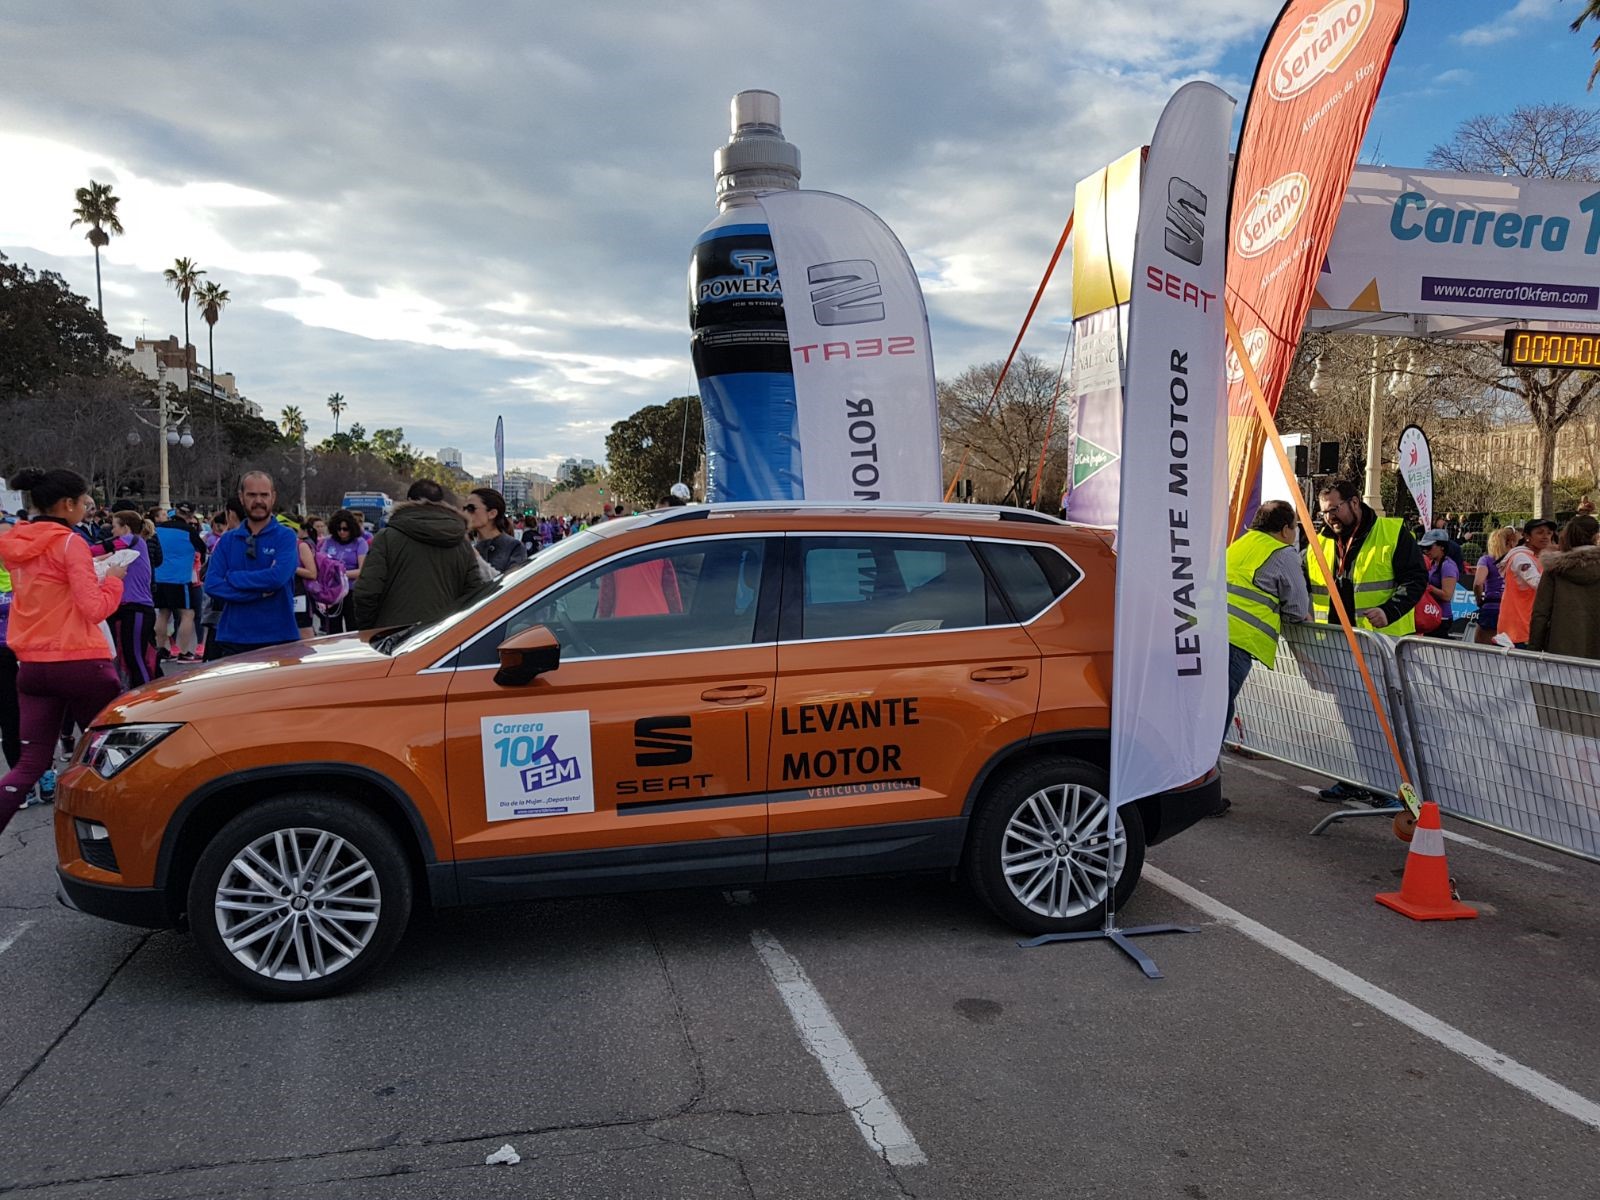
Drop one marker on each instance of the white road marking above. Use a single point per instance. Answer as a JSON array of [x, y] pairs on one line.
[[1306, 787], [1463, 839], [1255, 770], [1501, 1066], [10, 939], [874, 1115]]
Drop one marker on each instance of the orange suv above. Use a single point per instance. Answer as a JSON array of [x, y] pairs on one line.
[[719, 695]]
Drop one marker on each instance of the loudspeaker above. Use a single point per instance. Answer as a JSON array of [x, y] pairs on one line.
[[1327, 458]]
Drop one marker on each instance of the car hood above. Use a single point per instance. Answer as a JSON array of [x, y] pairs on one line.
[[221, 685]]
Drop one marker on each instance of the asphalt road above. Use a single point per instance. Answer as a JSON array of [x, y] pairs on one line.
[[645, 1046]]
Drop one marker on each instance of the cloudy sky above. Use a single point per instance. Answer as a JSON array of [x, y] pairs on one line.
[[456, 210]]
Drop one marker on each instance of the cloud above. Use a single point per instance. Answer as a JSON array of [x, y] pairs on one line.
[[463, 209], [1507, 25]]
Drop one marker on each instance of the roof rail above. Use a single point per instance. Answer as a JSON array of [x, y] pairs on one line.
[[932, 509]]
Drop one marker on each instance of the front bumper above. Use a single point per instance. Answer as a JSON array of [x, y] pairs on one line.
[[1177, 810], [145, 907]]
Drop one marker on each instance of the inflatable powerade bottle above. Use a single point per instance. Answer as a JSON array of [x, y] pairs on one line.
[[738, 335]]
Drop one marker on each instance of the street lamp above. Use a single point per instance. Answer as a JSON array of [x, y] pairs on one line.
[[165, 422]]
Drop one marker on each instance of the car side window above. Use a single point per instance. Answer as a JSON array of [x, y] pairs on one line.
[[869, 586], [688, 596], [1032, 577]]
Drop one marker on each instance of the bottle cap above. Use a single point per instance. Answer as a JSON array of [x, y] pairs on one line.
[[756, 157]]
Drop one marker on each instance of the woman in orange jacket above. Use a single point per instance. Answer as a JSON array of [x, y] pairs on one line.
[[64, 660]]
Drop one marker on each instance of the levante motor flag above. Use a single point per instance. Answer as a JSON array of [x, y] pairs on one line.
[[1313, 94], [1169, 690], [867, 406]]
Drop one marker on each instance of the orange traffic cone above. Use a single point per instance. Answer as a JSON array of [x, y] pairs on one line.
[[1424, 893]]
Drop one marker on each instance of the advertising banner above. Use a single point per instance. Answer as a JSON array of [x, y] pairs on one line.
[[1480, 246], [1313, 94], [500, 455], [1106, 208], [1096, 478], [866, 406], [1169, 689], [1416, 468]]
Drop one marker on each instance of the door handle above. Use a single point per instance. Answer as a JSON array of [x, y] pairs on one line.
[[999, 674], [734, 692]]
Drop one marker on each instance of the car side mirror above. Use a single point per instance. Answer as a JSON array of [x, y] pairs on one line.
[[526, 655]]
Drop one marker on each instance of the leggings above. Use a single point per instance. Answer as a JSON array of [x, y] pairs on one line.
[[10, 714], [134, 628], [50, 691]]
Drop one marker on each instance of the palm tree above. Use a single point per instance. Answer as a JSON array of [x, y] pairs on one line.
[[336, 405], [184, 276], [211, 298], [293, 423], [97, 208], [1591, 12]]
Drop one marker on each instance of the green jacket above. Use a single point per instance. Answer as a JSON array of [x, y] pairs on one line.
[[419, 568]]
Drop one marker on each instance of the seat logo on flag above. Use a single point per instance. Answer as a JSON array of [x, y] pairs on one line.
[[1186, 228], [1319, 47], [1272, 215], [850, 293]]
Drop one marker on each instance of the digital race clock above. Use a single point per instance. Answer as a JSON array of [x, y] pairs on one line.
[[1547, 348]]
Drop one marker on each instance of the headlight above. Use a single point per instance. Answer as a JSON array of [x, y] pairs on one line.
[[107, 751]]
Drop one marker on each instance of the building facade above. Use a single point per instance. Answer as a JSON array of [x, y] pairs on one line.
[[167, 361]]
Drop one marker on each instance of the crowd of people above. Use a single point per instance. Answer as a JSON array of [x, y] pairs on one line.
[[92, 603]]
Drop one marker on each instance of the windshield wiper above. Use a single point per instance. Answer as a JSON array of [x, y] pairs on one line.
[[389, 641]]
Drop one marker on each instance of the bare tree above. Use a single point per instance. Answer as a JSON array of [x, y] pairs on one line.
[[1536, 141], [1001, 443]]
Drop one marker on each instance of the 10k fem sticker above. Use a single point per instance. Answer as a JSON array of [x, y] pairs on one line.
[[537, 765]]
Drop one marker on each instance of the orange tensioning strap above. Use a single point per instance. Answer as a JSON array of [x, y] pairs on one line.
[[1037, 296], [1314, 544]]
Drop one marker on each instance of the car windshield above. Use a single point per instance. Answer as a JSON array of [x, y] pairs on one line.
[[418, 636]]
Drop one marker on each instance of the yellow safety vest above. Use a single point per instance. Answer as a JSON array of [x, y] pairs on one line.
[[1373, 578], [1253, 615]]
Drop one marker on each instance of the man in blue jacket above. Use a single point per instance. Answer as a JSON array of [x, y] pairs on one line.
[[252, 572]]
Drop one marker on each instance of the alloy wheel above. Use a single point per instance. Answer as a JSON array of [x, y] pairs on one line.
[[1055, 855], [297, 904]]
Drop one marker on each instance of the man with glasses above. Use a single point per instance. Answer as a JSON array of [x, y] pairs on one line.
[[1376, 564], [252, 573], [1376, 567]]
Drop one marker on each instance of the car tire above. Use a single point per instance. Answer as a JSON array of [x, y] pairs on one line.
[[300, 897], [1033, 865]]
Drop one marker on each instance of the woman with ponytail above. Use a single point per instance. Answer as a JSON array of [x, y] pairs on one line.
[[64, 661]]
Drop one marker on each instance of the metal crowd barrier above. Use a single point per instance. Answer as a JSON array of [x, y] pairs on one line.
[[1507, 738], [1313, 711]]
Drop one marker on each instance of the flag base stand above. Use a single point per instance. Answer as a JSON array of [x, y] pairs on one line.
[[1118, 937]]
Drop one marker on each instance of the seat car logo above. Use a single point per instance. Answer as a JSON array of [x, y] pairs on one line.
[[1319, 47], [1255, 345], [1271, 217], [658, 742], [1186, 228], [849, 292]]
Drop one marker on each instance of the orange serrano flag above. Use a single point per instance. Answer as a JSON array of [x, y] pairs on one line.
[[1307, 114]]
